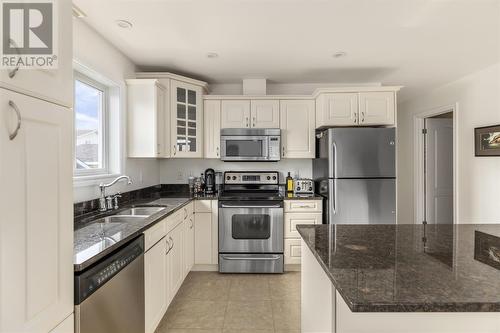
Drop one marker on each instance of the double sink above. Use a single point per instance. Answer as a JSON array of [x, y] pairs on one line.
[[130, 215]]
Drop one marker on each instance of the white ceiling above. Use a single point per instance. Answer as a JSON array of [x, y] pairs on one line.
[[420, 44]]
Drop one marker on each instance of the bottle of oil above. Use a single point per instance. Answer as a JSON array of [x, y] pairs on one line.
[[289, 183]]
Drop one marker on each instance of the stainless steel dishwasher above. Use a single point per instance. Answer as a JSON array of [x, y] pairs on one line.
[[109, 296]]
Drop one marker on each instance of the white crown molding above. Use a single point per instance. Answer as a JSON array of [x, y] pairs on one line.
[[167, 75]]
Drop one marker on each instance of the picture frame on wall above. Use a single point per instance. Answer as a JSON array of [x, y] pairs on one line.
[[487, 140]]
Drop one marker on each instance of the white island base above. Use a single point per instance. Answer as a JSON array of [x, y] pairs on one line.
[[323, 310]]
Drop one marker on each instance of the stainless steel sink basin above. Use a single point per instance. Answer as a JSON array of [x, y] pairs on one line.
[[141, 211], [119, 219]]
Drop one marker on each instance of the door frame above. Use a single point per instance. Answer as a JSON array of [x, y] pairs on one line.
[[419, 177]]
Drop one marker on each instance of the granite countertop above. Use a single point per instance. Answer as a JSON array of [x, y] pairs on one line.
[[93, 241], [410, 268]]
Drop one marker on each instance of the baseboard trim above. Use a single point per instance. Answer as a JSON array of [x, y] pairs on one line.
[[205, 268]]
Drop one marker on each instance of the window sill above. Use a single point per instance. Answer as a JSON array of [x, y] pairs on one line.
[[81, 181]]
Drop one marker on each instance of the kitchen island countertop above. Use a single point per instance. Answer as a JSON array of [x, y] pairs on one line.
[[410, 268]]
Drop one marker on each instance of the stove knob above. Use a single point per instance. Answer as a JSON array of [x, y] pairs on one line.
[[274, 177], [228, 177], [298, 188], [268, 177], [310, 188], [234, 177]]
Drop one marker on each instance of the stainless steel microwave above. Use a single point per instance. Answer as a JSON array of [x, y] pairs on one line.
[[250, 144]]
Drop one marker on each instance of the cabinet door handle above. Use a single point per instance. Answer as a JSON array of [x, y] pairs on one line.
[[248, 122], [191, 225], [355, 117], [14, 71], [362, 117], [168, 247], [283, 149], [172, 246], [13, 135], [175, 150], [254, 122], [218, 151]]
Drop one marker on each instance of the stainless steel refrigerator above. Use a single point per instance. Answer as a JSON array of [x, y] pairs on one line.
[[355, 170]]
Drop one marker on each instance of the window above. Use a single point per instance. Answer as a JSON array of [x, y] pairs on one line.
[[90, 127]]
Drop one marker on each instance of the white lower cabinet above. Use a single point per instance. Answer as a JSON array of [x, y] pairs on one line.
[[175, 263], [171, 248], [36, 229], [298, 212], [206, 233], [155, 279], [189, 242]]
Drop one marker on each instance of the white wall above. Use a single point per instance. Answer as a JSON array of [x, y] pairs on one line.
[[176, 171], [478, 98], [282, 88], [93, 51]]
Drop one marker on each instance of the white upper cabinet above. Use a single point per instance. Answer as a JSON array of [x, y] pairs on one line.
[[235, 114], [36, 238], [258, 113], [356, 108], [297, 128], [337, 109], [377, 108], [53, 85], [212, 119], [186, 119], [147, 119], [265, 113]]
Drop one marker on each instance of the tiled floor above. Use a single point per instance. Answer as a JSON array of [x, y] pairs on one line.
[[210, 302]]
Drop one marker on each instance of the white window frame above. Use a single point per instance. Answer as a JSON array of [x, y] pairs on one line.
[[104, 171]]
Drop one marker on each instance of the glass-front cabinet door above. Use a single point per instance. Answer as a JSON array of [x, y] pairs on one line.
[[187, 119]]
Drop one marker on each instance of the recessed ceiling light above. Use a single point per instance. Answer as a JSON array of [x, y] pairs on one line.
[[339, 54], [212, 55], [124, 24]]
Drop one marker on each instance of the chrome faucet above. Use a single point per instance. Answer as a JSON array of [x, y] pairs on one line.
[[103, 206]]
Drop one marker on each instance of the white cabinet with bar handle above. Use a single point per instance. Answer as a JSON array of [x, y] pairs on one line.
[[255, 113], [297, 128], [298, 212], [356, 108], [212, 125], [147, 119], [36, 177]]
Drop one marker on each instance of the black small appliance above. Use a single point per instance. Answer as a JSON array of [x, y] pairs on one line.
[[209, 181]]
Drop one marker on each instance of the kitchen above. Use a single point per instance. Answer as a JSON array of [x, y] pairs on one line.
[[107, 231]]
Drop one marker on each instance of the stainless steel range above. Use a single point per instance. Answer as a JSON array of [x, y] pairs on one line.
[[251, 223]]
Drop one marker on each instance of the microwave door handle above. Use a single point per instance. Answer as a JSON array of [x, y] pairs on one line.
[[265, 149]]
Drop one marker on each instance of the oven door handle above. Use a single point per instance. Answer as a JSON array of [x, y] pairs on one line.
[[251, 258], [239, 206]]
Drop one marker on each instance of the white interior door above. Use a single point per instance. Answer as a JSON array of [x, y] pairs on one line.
[[439, 170]]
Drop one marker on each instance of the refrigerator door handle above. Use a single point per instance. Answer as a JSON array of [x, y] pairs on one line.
[[332, 163], [334, 197]]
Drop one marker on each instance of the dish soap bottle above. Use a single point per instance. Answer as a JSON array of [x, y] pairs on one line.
[[289, 183]]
